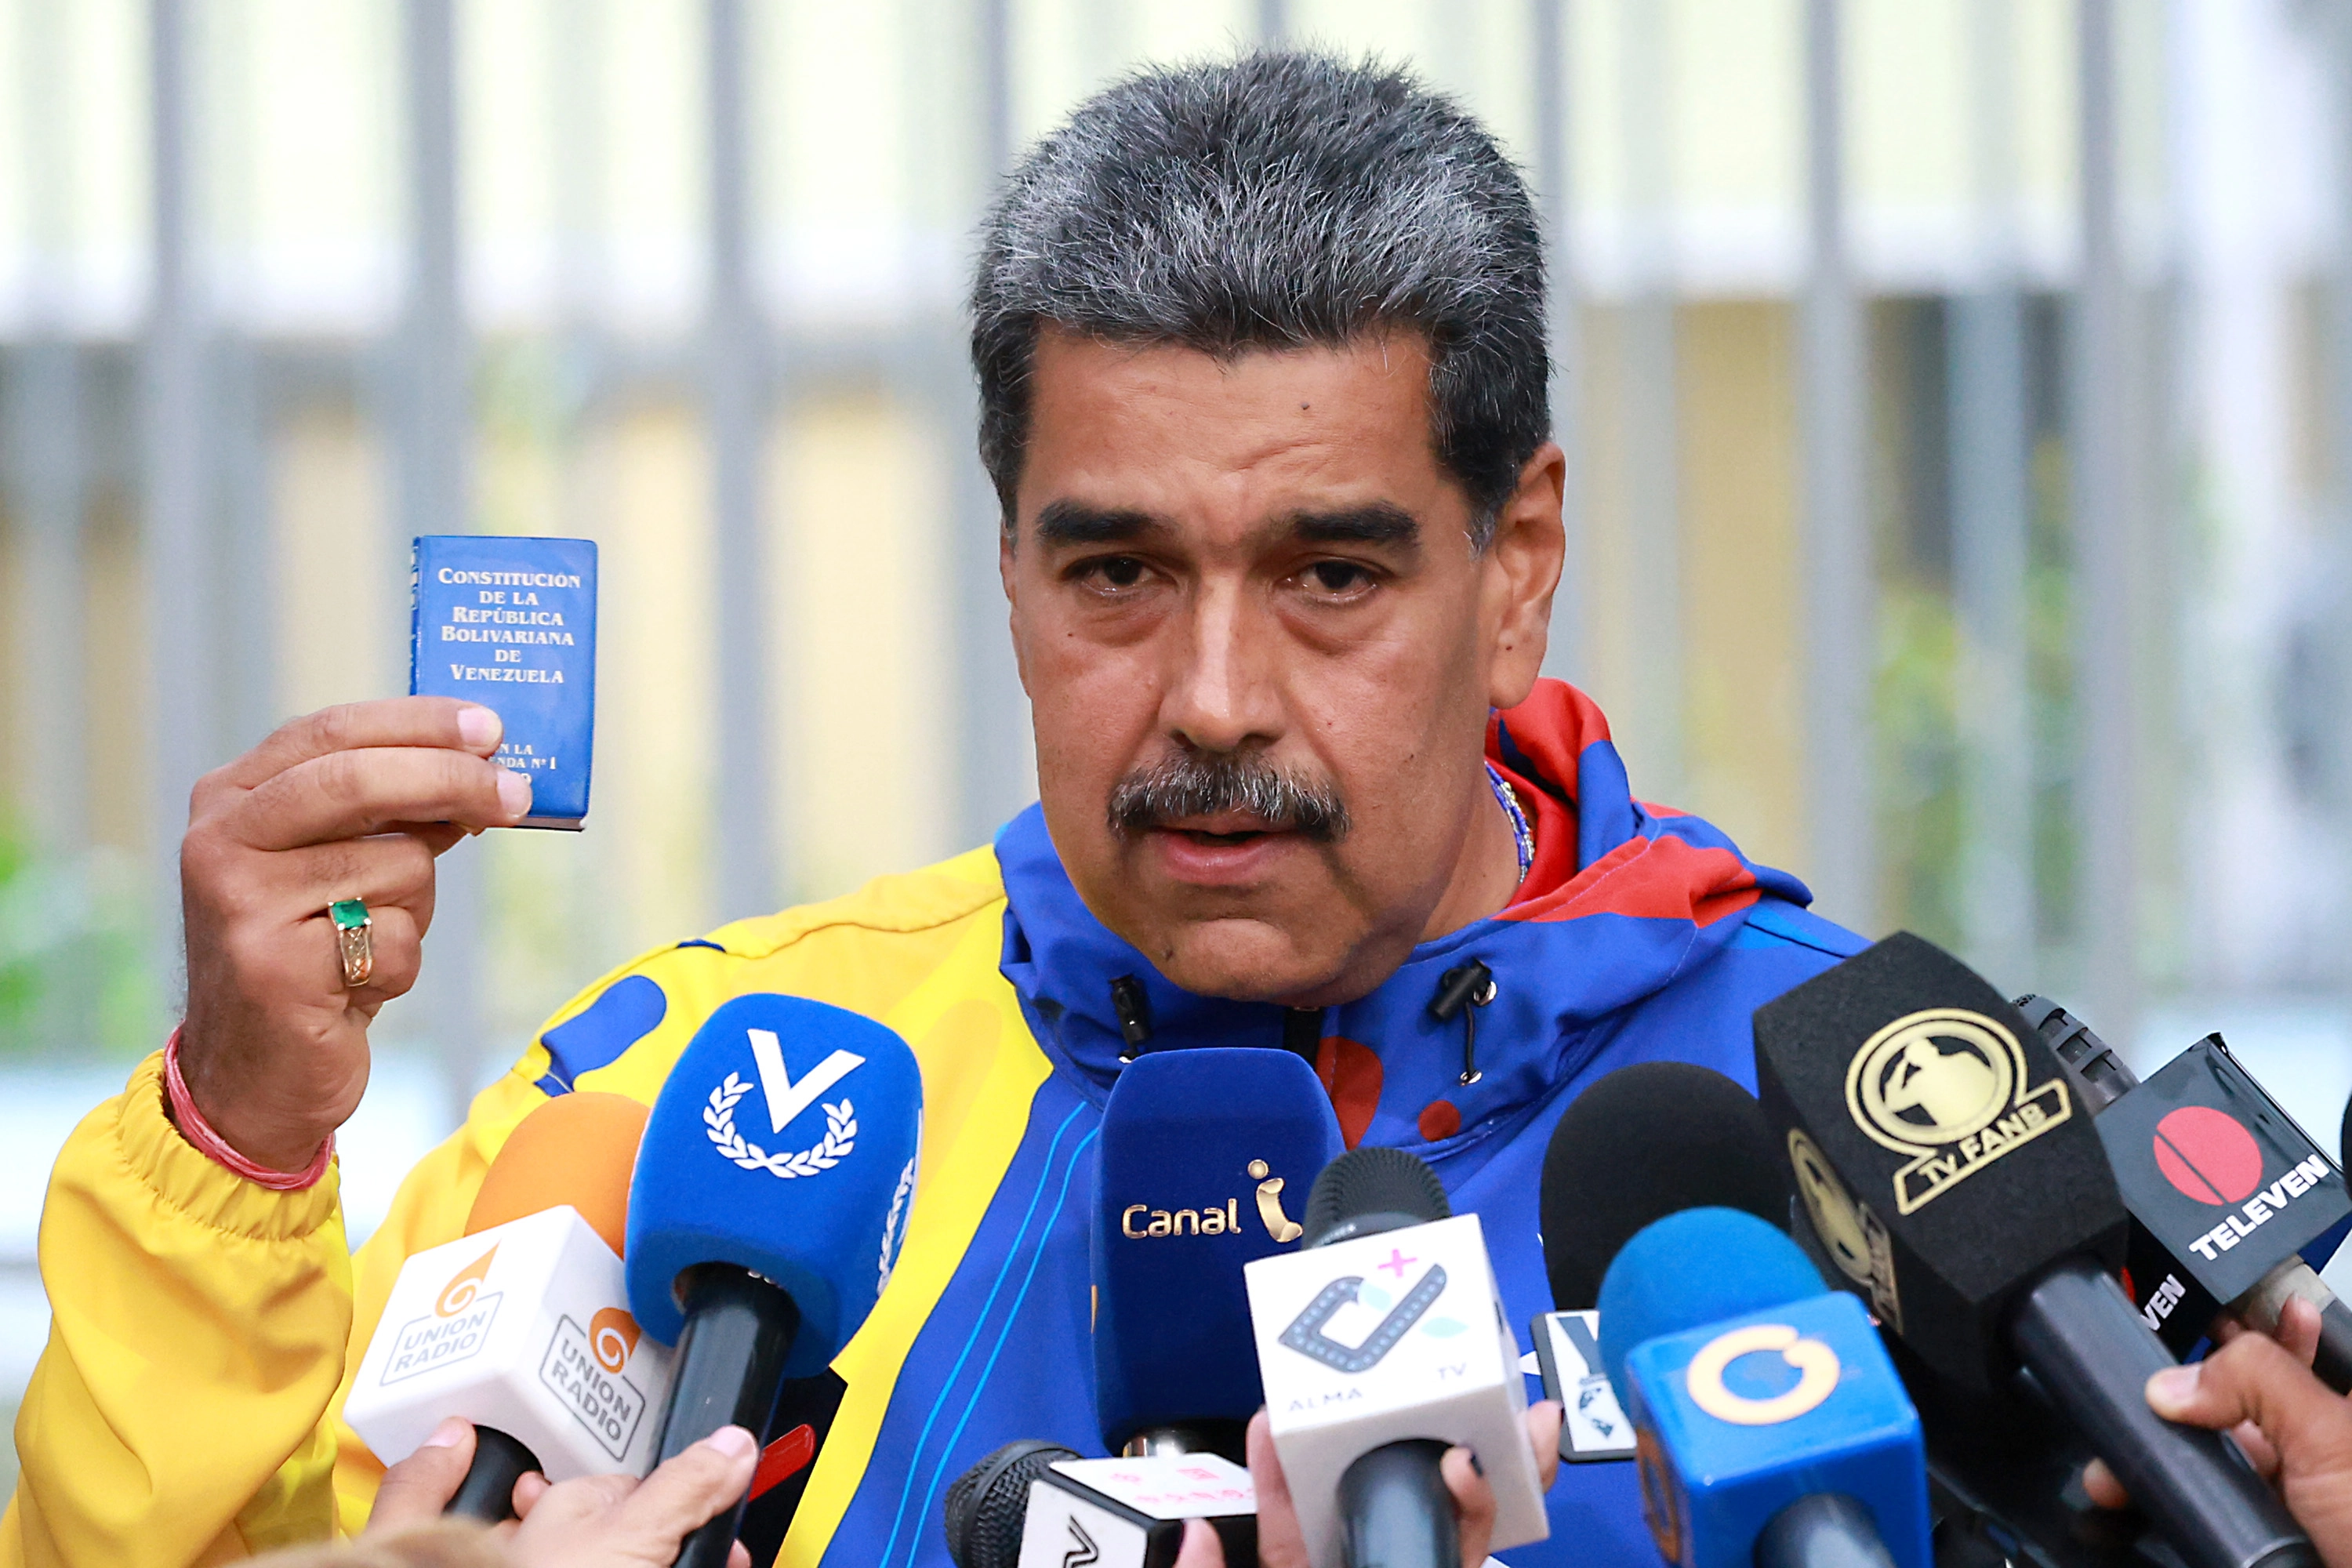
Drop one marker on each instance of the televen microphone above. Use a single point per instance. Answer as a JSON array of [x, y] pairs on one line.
[[1950, 1174], [772, 1196], [1774, 1430], [1644, 1141], [2229, 1198], [522, 1326], [1381, 1345]]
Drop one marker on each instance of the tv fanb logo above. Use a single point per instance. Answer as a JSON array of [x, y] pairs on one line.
[[785, 1099]]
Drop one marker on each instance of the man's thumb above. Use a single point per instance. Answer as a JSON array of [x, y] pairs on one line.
[[689, 1490], [417, 1490], [2249, 1379]]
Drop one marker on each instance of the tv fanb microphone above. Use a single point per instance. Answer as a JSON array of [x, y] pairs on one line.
[[770, 1197], [1034, 1504], [1204, 1160], [1381, 1344], [1644, 1141], [1952, 1174], [522, 1325], [2228, 1198], [1775, 1431]]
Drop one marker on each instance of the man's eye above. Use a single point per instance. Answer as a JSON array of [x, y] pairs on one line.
[[1338, 576], [1116, 571]]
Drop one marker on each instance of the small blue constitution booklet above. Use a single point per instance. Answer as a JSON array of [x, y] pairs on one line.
[[511, 623]]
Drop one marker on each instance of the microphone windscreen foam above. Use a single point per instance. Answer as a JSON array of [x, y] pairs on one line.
[[783, 1142], [1693, 1269], [1372, 1181], [578, 1149], [1204, 1157], [1646, 1142]]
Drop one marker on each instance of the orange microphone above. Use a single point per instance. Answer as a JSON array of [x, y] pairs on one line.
[[579, 1148], [522, 1325]]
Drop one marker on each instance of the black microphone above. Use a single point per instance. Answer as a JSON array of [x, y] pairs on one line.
[[2226, 1193], [1949, 1168]]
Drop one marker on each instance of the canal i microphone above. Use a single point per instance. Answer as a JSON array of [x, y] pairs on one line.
[[1643, 1143], [1204, 1160], [522, 1325], [1775, 1429], [2230, 1200], [772, 1196], [1381, 1343], [1034, 1504], [1951, 1175]]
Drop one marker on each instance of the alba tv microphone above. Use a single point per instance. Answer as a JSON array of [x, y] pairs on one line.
[[2231, 1203], [1381, 1343], [1776, 1433], [772, 1196], [522, 1326], [1952, 1174]]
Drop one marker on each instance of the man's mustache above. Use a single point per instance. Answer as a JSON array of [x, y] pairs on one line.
[[1195, 783]]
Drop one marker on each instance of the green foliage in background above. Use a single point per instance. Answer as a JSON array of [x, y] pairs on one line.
[[1917, 723], [76, 979]]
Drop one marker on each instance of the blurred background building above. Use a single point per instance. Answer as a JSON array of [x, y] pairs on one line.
[[1956, 395]]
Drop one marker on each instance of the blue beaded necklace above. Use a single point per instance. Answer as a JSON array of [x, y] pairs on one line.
[[1522, 836]]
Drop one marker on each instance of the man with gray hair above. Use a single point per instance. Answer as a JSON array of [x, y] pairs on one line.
[[1260, 355]]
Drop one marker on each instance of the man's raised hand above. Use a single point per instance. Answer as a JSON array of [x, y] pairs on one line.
[[349, 802]]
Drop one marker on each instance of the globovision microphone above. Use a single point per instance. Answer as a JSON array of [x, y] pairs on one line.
[[1775, 1431], [1381, 1345], [1034, 1504], [2229, 1199], [1951, 1174], [1204, 1157], [1643, 1143], [772, 1196], [522, 1325]]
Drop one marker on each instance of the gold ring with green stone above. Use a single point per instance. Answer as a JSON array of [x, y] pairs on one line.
[[354, 933]]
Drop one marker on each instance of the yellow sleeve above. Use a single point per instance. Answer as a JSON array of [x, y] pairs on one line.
[[197, 1328]]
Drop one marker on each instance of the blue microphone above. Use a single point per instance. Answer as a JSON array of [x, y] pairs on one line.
[[1773, 1430], [771, 1198], [1205, 1160]]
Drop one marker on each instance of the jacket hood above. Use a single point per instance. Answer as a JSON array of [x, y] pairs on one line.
[[1622, 898]]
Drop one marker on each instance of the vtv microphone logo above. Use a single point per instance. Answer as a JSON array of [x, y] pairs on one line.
[[785, 1100], [1815, 1362]]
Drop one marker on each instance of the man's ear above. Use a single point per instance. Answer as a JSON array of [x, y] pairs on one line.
[[1005, 574], [1521, 569]]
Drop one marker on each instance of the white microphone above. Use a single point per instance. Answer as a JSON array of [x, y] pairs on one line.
[[524, 1328], [1034, 1504], [1381, 1345]]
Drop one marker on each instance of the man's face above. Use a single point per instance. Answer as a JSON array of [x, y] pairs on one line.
[[1260, 653]]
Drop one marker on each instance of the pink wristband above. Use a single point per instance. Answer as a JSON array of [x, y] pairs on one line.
[[209, 1143]]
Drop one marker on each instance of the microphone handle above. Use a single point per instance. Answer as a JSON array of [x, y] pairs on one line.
[[1827, 1530], [728, 1370], [1394, 1509], [2333, 1364], [2092, 1354], [487, 1492]]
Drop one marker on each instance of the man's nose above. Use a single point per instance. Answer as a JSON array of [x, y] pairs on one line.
[[1224, 695]]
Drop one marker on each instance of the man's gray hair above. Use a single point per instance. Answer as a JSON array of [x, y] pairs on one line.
[[1276, 201]]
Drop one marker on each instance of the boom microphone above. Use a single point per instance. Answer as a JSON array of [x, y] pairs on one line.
[[771, 1198], [1380, 1345], [1949, 1172], [2227, 1194], [1644, 1141], [522, 1326], [1708, 1312]]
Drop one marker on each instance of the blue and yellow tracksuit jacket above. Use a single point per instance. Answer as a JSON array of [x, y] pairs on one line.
[[187, 1407]]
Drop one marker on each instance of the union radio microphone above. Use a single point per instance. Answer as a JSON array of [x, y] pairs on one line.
[[2229, 1199], [1950, 1172], [1381, 1345], [522, 1326], [1643, 1143], [772, 1196], [1774, 1430]]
